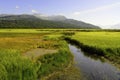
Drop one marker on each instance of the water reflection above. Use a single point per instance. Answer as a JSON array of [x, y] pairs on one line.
[[92, 67]]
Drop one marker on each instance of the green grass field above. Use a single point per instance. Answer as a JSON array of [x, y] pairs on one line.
[[106, 44], [31, 54], [49, 54]]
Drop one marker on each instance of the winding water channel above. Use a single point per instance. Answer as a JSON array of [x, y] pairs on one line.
[[93, 69]]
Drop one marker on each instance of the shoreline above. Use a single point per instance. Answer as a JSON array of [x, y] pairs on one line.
[[84, 48]]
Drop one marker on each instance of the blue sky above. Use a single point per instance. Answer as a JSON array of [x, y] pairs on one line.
[[98, 12]]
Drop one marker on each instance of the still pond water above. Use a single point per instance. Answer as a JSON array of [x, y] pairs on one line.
[[93, 69]]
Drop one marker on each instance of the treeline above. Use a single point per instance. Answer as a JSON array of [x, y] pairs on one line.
[[29, 21], [34, 24]]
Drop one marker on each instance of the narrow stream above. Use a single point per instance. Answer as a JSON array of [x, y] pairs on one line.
[[93, 69]]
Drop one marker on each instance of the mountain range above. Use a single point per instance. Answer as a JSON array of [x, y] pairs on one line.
[[41, 21]]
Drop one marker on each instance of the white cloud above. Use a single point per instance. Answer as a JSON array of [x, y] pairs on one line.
[[106, 7], [17, 7], [34, 11], [103, 15]]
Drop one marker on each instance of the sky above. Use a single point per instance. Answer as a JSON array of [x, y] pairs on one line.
[[97, 12]]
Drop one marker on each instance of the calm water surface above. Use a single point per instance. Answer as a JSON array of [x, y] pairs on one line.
[[93, 69]]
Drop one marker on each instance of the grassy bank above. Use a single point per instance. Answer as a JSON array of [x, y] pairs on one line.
[[105, 44], [15, 66], [55, 62]]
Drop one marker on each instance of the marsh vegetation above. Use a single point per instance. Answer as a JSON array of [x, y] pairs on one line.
[[31, 54]]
